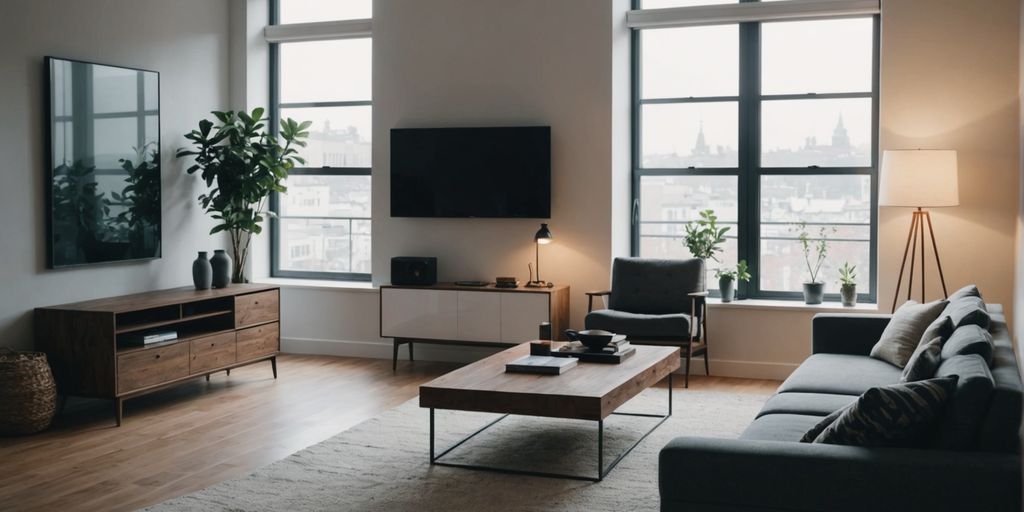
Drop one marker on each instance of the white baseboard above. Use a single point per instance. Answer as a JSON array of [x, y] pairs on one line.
[[467, 354]]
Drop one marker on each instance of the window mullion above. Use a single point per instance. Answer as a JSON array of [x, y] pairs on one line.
[[749, 153]]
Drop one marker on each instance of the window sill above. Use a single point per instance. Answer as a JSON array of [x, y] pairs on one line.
[[319, 284], [791, 305]]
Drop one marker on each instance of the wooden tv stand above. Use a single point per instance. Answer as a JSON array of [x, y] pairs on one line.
[[218, 330]]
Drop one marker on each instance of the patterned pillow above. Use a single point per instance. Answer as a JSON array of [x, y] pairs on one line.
[[897, 415], [816, 430], [903, 334], [924, 362]]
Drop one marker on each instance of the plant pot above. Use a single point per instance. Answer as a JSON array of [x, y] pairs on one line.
[[814, 293], [728, 288], [849, 295]]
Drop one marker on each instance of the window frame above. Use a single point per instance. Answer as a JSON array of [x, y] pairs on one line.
[[275, 201], [749, 170]]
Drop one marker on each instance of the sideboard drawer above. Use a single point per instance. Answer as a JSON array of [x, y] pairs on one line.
[[151, 366], [212, 352], [257, 341], [256, 308]]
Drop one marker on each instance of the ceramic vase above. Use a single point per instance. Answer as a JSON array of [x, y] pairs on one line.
[[221, 263], [728, 289], [814, 293], [202, 272]]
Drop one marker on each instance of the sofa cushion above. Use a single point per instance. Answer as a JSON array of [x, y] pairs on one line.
[[840, 374], [903, 334], [808, 404], [968, 311], [639, 325], [926, 359], [779, 427], [970, 290], [961, 421], [969, 339], [898, 415], [653, 286]]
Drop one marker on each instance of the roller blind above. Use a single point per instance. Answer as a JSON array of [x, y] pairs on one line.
[[318, 31], [750, 12]]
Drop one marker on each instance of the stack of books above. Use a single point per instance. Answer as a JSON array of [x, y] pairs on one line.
[[614, 353], [540, 364], [141, 340]]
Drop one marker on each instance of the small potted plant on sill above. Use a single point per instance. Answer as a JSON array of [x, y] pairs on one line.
[[704, 238], [727, 280], [848, 282], [814, 290]]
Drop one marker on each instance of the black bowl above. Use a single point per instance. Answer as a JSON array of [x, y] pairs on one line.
[[593, 339]]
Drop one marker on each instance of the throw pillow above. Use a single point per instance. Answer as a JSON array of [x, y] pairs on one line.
[[968, 403], [970, 290], [816, 430], [903, 334], [925, 360], [898, 415], [969, 339], [968, 311]]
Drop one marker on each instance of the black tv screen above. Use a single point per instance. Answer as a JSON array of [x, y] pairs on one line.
[[471, 172]]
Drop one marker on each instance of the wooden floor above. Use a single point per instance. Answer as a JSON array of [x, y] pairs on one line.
[[184, 439]]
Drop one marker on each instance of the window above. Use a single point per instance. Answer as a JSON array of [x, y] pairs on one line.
[[323, 227], [773, 125]]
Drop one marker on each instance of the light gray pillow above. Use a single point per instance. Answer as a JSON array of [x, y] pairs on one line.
[[924, 361], [903, 334], [969, 339]]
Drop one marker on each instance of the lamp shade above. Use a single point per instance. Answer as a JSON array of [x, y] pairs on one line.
[[918, 178], [543, 235]]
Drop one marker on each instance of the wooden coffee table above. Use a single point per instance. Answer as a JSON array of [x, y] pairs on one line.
[[590, 391]]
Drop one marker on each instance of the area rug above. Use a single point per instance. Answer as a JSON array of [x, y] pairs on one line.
[[383, 463]]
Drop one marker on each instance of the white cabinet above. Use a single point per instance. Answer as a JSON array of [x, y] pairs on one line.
[[419, 313], [521, 315], [480, 316], [445, 312]]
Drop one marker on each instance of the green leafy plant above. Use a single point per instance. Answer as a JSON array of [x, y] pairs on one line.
[[704, 237], [848, 274], [140, 197], [242, 164], [819, 246], [739, 273], [79, 210]]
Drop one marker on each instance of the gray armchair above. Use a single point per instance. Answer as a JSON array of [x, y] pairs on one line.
[[656, 302]]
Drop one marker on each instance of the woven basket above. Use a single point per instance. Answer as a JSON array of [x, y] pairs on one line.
[[28, 394]]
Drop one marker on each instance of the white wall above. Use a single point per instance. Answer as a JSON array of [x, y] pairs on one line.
[[187, 42], [949, 80]]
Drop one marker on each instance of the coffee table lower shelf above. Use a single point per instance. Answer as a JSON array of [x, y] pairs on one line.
[[602, 471]]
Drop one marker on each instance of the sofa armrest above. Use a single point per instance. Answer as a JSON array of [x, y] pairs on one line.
[[736, 474], [846, 333]]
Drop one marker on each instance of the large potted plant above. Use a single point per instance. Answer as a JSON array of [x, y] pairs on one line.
[[704, 238], [727, 279], [848, 284], [242, 164], [814, 290]]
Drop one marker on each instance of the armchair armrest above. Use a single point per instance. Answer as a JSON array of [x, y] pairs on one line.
[[846, 333], [738, 474], [591, 295]]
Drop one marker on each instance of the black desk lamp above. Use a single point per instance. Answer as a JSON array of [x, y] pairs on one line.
[[543, 237]]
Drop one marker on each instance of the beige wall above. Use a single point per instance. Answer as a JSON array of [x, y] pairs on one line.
[[187, 42], [949, 80]]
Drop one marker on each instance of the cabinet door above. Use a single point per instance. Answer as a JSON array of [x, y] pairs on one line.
[[412, 313], [521, 315], [479, 316]]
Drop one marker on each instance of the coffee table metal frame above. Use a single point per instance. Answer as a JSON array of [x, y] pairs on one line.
[[602, 471]]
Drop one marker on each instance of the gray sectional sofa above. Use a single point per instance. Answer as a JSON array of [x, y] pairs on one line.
[[973, 464]]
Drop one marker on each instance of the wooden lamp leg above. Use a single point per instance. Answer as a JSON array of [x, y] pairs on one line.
[[915, 236], [935, 249], [906, 250]]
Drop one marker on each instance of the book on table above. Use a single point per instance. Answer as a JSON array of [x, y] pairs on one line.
[[611, 354], [138, 340], [547, 365]]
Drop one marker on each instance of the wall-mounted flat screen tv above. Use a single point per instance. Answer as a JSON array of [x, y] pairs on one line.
[[103, 170], [471, 172]]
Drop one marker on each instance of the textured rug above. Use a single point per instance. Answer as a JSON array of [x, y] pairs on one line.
[[383, 463]]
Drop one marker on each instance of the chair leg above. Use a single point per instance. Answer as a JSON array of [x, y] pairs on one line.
[[686, 376], [410, 351], [394, 357]]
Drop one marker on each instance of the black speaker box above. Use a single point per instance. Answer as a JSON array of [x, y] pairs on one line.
[[413, 270]]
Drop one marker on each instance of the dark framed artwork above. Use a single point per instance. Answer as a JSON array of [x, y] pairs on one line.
[[103, 173]]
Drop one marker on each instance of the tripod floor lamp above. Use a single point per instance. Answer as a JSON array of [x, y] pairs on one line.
[[919, 178]]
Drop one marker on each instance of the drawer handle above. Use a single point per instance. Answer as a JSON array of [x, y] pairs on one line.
[[158, 356], [256, 303], [212, 344]]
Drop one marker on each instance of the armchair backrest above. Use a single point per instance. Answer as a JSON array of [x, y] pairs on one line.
[[654, 286]]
